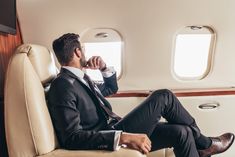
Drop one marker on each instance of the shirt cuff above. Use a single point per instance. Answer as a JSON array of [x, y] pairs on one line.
[[116, 140], [108, 72]]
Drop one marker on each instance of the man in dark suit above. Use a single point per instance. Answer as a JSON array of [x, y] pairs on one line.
[[83, 118]]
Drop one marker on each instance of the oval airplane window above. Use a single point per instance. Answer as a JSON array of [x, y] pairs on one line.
[[106, 43], [193, 52]]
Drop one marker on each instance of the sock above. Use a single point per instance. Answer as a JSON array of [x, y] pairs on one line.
[[203, 142]]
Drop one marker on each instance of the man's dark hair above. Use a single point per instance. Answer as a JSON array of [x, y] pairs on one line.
[[64, 47]]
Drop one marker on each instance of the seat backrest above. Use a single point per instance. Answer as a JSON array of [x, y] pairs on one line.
[[29, 130]]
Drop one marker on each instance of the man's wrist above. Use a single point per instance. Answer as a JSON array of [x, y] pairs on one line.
[[124, 138], [104, 68], [108, 72]]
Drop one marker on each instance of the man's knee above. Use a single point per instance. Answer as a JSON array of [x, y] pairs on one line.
[[161, 92], [162, 96]]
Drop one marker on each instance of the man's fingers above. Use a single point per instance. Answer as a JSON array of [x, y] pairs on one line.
[[148, 147], [92, 62], [146, 144], [149, 143], [144, 150], [148, 140], [95, 62]]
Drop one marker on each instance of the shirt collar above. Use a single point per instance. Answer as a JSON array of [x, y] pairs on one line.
[[78, 72]]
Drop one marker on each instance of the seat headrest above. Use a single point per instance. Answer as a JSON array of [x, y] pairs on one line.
[[42, 60]]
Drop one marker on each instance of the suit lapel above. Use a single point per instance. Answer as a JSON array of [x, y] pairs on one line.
[[91, 93], [70, 74]]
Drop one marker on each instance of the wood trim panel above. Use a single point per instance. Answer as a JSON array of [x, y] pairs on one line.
[[180, 93], [8, 43], [204, 93]]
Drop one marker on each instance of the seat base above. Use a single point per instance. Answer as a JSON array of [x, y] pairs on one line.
[[94, 153]]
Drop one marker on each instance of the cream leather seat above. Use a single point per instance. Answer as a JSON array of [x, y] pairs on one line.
[[29, 129]]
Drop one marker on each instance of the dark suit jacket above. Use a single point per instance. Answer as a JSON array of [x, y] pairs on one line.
[[78, 120]]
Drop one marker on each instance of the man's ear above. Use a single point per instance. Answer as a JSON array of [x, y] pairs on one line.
[[78, 53]]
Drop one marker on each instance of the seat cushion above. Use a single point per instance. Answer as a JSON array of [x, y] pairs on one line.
[[68, 153]]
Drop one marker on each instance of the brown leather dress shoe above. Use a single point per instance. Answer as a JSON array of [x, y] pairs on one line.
[[219, 145]]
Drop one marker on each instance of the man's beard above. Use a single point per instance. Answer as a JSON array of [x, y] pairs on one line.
[[83, 61]]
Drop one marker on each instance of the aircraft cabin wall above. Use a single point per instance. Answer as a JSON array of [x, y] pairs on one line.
[[148, 29]]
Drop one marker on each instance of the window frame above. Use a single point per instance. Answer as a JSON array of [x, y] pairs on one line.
[[210, 59], [86, 36]]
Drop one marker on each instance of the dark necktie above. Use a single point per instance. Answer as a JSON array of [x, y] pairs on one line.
[[101, 103]]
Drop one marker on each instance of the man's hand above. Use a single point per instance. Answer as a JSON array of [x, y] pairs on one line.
[[96, 62], [139, 142]]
